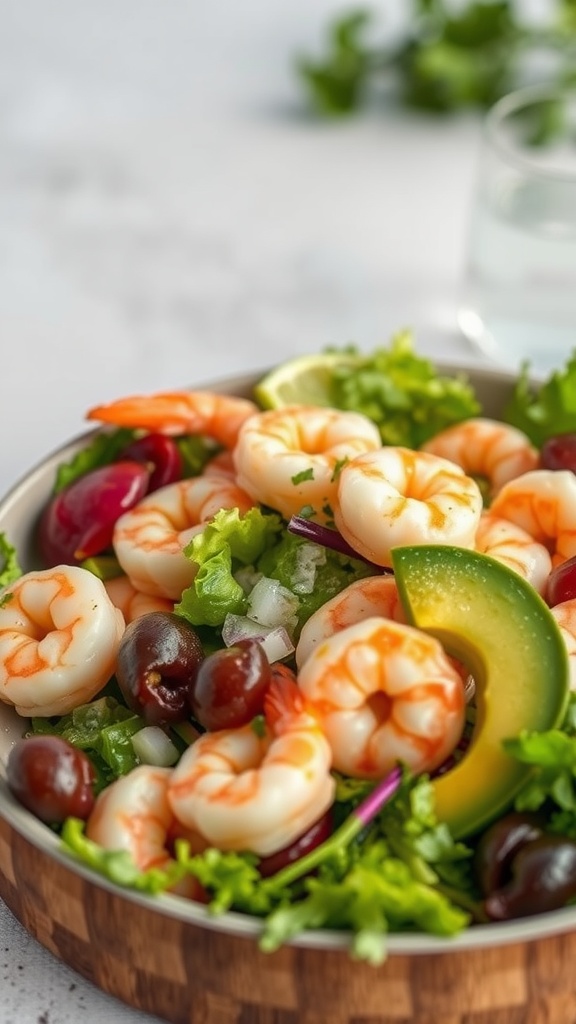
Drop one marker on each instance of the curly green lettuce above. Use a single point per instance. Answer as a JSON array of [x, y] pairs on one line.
[[404, 393]]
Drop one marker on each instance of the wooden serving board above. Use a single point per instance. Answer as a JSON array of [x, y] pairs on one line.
[[189, 974]]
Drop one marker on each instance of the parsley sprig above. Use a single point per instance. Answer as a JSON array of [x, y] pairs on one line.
[[449, 57]]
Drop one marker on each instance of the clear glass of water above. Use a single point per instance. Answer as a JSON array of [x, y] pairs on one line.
[[518, 299]]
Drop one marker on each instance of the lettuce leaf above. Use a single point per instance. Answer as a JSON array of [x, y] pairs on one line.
[[104, 447], [404, 394], [544, 410], [226, 542], [361, 887], [103, 729], [281, 563], [9, 565]]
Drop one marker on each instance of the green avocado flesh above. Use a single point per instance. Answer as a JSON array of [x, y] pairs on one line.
[[493, 621]]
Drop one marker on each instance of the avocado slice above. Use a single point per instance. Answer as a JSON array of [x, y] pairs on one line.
[[493, 621]]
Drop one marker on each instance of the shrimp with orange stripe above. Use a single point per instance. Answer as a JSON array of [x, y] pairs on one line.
[[515, 548], [59, 639], [486, 448], [132, 602], [149, 539], [289, 458], [242, 790], [133, 814], [542, 503], [384, 692], [206, 413], [395, 496], [373, 595]]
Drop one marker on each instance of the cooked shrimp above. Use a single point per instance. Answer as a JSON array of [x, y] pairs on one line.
[[384, 692], [134, 603], [180, 412], [243, 791], [221, 464], [517, 549], [397, 496], [487, 448], [149, 540], [543, 503], [565, 615], [362, 599], [289, 458], [133, 814], [59, 636]]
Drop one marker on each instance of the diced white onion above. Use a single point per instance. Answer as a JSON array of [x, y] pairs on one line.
[[153, 746], [240, 627], [277, 644], [272, 604], [274, 639], [247, 577], [308, 558]]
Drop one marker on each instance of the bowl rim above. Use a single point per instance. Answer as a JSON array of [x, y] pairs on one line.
[[43, 839]]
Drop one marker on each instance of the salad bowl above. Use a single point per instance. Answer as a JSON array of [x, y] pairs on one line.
[[171, 957]]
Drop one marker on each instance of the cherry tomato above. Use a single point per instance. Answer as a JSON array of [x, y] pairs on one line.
[[51, 778], [230, 686]]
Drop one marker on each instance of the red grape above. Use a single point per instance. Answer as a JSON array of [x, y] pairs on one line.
[[159, 452], [157, 662], [230, 686], [51, 778], [79, 521], [559, 452], [561, 584]]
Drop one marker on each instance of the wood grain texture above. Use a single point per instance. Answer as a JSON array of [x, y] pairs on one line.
[[186, 974]]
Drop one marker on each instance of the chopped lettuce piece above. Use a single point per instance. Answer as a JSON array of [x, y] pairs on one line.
[[104, 447], [283, 563], [116, 865], [9, 565], [227, 541], [404, 393], [544, 410], [103, 729]]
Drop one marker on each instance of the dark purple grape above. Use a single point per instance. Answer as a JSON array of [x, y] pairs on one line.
[[318, 833], [159, 452], [561, 585], [559, 452], [543, 879], [51, 778], [79, 521], [498, 846], [158, 659], [230, 686]]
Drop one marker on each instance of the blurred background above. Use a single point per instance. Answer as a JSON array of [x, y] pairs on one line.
[[171, 210]]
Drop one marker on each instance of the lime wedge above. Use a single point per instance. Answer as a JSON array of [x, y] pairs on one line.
[[305, 380]]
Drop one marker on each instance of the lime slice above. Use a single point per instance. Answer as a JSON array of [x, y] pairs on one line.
[[305, 380]]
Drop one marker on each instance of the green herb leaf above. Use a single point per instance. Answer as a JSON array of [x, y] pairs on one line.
[[103, 449], [10, 569], [543, 410]]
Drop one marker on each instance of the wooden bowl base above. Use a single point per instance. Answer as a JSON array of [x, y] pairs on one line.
[[187, 974]]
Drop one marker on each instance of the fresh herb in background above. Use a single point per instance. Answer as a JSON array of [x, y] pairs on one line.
[[450, 56]]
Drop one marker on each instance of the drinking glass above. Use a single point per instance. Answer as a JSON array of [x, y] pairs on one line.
[[518, 299]]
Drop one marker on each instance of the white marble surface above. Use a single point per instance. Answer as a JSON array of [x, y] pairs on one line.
[[168, 215]]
